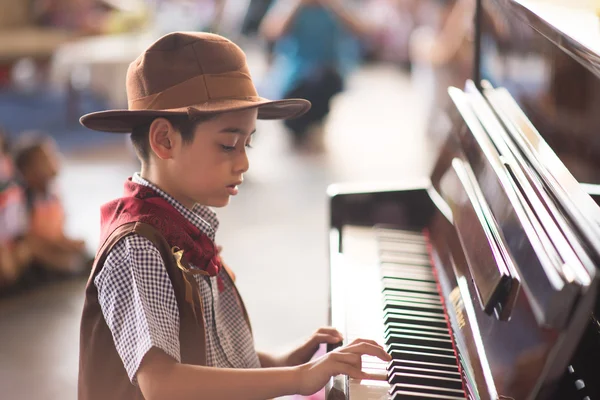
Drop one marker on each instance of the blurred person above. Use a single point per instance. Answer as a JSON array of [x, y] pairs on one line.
[[14, 254], [315, 47], [37, 163], [162, 317], [393, 22], [188, 15], [257, 9], [91, 17], [442, 56]]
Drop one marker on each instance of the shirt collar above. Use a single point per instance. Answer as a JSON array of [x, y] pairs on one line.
[[201, 216]]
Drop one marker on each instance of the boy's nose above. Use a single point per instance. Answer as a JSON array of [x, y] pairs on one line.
[[242, 163]]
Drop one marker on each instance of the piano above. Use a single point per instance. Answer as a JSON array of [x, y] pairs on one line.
[[482, 280]]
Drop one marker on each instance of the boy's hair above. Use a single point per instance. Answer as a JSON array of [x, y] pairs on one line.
[[184, 124], [26, 145]]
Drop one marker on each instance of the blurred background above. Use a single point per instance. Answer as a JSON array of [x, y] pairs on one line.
[[375, 70]]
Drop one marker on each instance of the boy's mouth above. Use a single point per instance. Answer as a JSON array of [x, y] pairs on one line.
[[233, 188]]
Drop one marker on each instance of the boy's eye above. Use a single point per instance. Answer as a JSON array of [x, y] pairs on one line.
[[227, 148]]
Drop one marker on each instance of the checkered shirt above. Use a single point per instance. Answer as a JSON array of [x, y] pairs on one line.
[[139, 306]]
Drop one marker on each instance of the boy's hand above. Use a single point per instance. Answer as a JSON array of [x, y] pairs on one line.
[[304, 353], [313, 376]]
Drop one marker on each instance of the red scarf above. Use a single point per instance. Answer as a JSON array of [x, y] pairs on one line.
[[142, 204]]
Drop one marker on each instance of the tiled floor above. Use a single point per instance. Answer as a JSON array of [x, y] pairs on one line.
[[274, 233]]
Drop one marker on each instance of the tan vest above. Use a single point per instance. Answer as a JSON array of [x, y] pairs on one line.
[[101, 371]]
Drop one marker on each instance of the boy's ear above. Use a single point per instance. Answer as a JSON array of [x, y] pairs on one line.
[[161, 136]]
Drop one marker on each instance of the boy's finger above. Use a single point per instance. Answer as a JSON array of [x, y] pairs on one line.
[[357, 341], [325, 338], [330, 330], [352, 372], [367, 348]]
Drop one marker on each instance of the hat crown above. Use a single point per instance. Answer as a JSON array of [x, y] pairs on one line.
[[180, 56]]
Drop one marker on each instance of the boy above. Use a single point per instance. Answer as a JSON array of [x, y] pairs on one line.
[[162, 318]]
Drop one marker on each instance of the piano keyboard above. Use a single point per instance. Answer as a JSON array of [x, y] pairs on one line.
[[424, 364], [389, 271]]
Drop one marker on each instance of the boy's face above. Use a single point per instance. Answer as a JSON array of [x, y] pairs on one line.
[[209, 169]]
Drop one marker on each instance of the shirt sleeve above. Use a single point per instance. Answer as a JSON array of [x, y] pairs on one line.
[[138, 302]]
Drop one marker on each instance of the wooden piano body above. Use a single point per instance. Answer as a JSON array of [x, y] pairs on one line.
[[482, 280]]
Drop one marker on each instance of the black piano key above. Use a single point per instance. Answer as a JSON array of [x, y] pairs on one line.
[[400, 394], [394, 337], [424, 356], [415, 297], [437, 310], [407, 318], [401, 270], [401, 328], [426, 380], [424, 370], [390, 288], [412, 297], [420, 341], [408, 277], [398, 363], [409, 302], [402, 283], [416, 347], [417, 313], [423, 389]]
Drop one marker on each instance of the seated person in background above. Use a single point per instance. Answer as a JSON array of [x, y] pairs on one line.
[[91, 17], [315, 47], [14, 254], [36, 160]]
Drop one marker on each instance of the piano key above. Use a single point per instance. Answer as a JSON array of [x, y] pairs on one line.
[[397, 234], [424, 370], [399, 307], [389, 317], [397, 363], [405, 259], [427, 380], [430, 316], [413, 298], [408, 301], [425, 356], [399, 327], [408, 248], [415, 307], [411, 285], [409, 387], [408, 289], [408, 275], [416, 347], [422, 268], [410, 296], [401, 283], [420, 341], [397, 268], [403, 394]]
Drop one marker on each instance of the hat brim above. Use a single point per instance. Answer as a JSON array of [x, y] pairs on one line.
[[123, 121]]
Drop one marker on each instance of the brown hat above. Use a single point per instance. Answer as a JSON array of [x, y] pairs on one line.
[[190, 73]]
